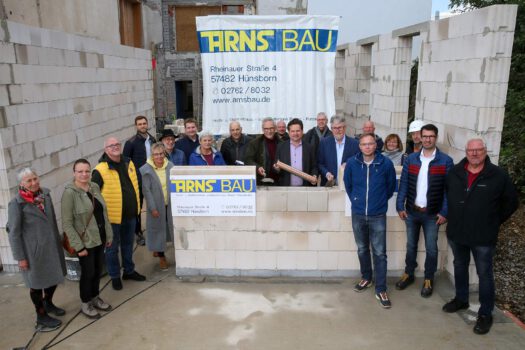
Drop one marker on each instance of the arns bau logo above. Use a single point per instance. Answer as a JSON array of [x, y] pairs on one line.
[[262, 40], [208, 186]]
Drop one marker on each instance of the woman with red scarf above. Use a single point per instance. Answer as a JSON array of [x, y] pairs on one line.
[[36, 245]]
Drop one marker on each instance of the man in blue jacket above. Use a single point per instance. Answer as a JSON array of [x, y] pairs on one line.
[[335, 150], [421, 202], [138, 149], [370, 181]]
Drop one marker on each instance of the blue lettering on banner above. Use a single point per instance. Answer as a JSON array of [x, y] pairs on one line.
[[267, 40], [213, 186]]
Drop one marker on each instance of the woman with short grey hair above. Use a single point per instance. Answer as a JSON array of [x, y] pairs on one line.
[[206, 154], [36, 245]]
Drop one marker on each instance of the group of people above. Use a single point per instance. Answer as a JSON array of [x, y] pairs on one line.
[[101, 207], [475, 197], [100, 212]]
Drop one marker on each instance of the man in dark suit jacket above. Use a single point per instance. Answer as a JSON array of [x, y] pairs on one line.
[[335, 150], [297, 153]]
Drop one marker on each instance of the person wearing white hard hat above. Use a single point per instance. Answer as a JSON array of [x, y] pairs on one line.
[[414, 130]]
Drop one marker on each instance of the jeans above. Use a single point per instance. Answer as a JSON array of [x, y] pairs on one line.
[[414, 222], [91, 270], [483, 256], [371, 230], [123, 236]]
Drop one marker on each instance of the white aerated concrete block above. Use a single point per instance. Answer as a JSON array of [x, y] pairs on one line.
[[246, 260], [306, 260], [286, 260], [225, 259], [297, 241], [266, 260], [327, 260]]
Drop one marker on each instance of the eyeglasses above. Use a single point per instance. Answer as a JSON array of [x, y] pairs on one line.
[[268, 129], [475, 150], [114, 145], [338, 127], [157, 154], [428, 136]]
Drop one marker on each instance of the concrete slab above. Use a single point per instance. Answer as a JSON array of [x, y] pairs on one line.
[[166, 312]]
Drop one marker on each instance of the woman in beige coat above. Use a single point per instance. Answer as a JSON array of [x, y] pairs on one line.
[[85, 222]]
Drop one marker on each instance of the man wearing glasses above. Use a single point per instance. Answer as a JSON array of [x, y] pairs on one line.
[[262, 151], [117, 179], [421, 203], [480, 197], [335, 150]]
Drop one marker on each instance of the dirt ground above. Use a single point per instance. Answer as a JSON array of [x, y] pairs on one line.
[[509, 265]]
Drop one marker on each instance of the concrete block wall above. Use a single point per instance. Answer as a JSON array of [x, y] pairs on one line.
[[463, 76], [298, 232], [61, 95], [390, 84], [355, 93]]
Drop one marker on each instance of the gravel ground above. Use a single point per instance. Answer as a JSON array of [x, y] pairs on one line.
[[509, 265]]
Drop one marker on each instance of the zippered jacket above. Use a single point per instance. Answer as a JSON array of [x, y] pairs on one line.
[[437, 170], [476, 213], [369, 187]]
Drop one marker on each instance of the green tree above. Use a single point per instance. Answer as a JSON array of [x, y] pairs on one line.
[[512, 153]]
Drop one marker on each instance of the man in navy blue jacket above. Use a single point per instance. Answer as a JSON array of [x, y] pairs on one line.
[[138, 149], [190, 140], [335, 150], [421, 202], [370, 181]]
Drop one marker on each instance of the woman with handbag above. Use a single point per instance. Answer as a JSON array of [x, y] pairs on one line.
[[86, 225], [155, 186], [35, 243]]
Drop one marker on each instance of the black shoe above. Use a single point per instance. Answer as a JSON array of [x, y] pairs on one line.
[[135, 276], [483, 324], [426, 290], [362, 285], [140, 238], [46, 323], [53, 309], [384, 301], [116, 283], [455, 305], [405, 281]]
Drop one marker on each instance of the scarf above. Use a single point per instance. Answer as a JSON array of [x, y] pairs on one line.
[[32, 197]]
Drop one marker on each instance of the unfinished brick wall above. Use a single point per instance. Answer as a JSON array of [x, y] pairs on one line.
[[61, 96], [463, 77]]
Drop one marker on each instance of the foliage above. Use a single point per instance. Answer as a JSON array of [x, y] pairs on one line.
[[512, 153]]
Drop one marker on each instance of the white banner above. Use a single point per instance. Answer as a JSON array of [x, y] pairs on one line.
[[213, 195], [255, 67]]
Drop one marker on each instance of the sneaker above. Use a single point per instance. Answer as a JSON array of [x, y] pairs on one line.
[[362, 285], [140, 239], [135, 276], [46, 323], [116, 283], [405, 281], [483, 324], [426, 290], [163, 263], [53, 309], [384, 300], [88, 310], [99, 304], [455, 305]]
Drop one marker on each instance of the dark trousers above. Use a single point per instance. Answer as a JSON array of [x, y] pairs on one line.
[[483, 258], [91, 270], [39, 295]]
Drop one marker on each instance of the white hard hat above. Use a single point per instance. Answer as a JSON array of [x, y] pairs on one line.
[[416, 125]]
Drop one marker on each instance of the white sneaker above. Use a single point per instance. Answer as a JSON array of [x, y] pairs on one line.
[[88, 310], [98, 303]]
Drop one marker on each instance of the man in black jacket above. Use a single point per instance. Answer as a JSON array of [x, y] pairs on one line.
[[138, 149], [234, 147], [318, 132], [481, 197]]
